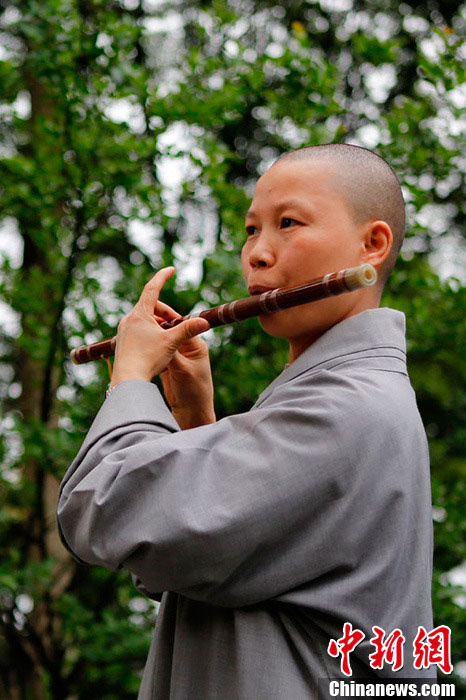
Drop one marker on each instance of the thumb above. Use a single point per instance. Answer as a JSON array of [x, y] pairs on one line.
[[188, 329]]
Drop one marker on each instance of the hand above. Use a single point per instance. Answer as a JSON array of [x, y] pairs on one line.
[[143, 348], [187, 379]]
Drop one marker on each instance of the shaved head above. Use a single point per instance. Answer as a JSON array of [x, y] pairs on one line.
[[369, 186]]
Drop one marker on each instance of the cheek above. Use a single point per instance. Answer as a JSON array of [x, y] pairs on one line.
[[244, 259], [306, 254], [321, 254]]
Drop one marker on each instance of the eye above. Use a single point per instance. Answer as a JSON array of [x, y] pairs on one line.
[[251, 230], [286, 222]]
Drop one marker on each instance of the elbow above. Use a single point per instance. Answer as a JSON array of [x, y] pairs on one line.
[[222, 596], [81, 535]]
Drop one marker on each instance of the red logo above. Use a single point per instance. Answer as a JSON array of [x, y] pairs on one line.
[[429, 649], [390, 650], [345, 645], [433, 648]]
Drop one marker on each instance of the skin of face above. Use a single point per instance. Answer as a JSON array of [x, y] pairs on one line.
[[299, 227]]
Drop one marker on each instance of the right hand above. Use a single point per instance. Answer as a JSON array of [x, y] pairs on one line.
[[187, 380]]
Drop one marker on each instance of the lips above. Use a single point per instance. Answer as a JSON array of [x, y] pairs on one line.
[[259, 289]]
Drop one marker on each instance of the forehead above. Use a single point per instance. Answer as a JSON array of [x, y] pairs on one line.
[[297, 181]]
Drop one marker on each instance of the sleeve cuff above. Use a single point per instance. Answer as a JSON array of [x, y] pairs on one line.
[[131, 401]]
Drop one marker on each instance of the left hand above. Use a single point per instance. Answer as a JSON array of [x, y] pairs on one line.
[[143, 348]]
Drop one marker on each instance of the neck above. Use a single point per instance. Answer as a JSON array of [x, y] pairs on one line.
[[299, 344]]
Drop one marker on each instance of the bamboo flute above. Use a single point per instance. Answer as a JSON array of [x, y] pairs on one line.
[[268, 302]]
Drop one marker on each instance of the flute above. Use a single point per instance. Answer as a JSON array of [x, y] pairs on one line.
[[331, 284]]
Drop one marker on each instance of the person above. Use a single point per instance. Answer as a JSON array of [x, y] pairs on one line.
[[269, 530]]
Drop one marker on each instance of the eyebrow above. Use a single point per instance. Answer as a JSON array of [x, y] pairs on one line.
[[280, 206]]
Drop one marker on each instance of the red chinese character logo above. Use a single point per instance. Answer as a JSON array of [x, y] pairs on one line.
[[345, 645], [433, 648], [390, 650]]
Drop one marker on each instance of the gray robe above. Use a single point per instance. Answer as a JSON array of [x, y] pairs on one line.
[[271, 528]]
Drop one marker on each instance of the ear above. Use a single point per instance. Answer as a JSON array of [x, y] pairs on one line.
[[378, 241]]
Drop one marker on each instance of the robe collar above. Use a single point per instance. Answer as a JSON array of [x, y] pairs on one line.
[[369, 332]]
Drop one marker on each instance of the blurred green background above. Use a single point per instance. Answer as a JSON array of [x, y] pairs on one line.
[[131, 135]]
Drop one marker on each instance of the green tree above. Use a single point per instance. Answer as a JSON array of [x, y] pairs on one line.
[[219, 89]]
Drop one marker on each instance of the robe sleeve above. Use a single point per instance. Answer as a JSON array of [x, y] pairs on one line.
[[231, 513]]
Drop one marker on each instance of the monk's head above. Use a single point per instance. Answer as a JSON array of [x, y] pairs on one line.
[[319, 210]]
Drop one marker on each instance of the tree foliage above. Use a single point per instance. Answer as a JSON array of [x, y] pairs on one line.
[[100, 100]]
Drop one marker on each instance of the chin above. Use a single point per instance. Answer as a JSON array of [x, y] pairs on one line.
[[298, 327], [275, 332], [280, 325]]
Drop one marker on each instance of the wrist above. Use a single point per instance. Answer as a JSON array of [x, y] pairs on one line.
[[118, 377], [188, 418]]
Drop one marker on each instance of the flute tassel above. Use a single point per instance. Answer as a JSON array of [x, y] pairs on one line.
[[109, 366]]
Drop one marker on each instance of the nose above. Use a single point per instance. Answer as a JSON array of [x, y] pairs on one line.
[[260, 251]]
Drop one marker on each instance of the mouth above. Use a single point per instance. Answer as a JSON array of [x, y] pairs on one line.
[[258, 289]]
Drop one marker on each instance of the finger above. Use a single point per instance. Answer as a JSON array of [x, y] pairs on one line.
[[166, 384], [151, 291], [174, 363], [187, 330], [165, 377], [165, 311]]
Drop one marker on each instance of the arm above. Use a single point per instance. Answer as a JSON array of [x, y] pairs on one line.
[[230, 513]]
